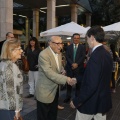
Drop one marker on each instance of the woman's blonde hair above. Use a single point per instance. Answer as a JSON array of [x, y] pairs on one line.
[[7, 48]]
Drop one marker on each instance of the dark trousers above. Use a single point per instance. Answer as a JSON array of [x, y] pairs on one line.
[[48, 111]]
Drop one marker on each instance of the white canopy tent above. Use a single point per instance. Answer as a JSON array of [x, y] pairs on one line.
[[113, 32], [87, 28], [68, 29], [112, 27]]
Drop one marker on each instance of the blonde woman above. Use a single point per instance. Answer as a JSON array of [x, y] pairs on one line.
[[11, 81]]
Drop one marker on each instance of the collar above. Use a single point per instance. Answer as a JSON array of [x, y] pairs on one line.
[[75, 45], [96, 47], [55, 54]]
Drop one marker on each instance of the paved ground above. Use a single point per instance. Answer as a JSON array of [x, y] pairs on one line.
[[29, 109]]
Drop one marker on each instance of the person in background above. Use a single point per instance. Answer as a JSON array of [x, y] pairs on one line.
[[9, 36], [94, 99], [50, 76], [11, 81], [32, 52], [117, 70], [75, 56], [115, 67]]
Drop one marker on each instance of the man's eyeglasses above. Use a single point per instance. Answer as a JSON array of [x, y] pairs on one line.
[[57, 43]]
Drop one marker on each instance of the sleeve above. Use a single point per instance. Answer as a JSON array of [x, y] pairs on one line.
[[19, 98], [2, 77], [19, 89]]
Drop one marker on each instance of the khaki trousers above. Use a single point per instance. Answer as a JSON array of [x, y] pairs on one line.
[[81, 116]]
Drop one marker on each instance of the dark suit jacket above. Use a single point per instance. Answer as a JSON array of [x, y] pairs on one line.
[[79, 59], [95, 95], [1, 44]]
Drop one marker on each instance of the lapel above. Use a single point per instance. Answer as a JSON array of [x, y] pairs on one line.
[[77, 50], [96, 50], [53, 58], [72, 50]]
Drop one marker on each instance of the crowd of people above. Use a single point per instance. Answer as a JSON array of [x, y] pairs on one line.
[[92, 98]]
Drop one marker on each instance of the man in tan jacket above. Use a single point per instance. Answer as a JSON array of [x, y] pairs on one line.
[[50, 77]]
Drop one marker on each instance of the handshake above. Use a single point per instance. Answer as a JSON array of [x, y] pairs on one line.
[[71, 81]]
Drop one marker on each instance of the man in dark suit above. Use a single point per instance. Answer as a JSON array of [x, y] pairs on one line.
[[9, 36], [94, 99], [75, 56]]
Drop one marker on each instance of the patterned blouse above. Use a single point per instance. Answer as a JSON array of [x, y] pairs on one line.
[[11, 86]]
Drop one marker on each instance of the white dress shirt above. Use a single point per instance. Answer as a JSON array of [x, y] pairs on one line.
[[96, 47], [56, 57]]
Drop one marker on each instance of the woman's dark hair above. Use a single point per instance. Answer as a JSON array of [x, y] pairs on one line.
[[37, 45], [97, 32]]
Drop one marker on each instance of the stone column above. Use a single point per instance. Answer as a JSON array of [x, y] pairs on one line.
[[51, 13], [88, 19], [36, 23], [27, 29], [6, 18], [74, 13]]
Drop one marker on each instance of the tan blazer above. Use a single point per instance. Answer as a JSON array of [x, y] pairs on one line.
[[49, 76]]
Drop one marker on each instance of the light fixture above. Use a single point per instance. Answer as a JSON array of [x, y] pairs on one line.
[[68, 38], [20, 15], [57, 6], [42, 11], [63, 5], [23, 16]]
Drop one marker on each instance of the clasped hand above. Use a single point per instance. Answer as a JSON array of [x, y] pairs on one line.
[[71, 81], [74, 66]]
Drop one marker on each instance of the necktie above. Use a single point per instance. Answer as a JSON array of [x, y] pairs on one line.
[[75, 49]]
